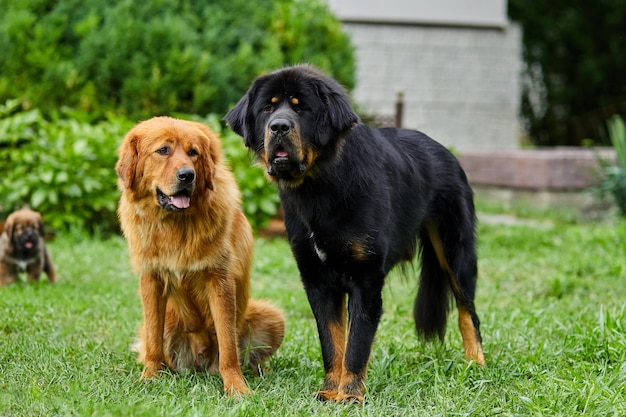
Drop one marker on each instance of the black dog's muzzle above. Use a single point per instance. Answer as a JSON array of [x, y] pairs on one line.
[[282, 148]]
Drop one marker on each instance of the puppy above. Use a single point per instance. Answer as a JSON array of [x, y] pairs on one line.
[[22, 248]]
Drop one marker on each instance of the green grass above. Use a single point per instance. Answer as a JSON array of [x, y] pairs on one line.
[[551, 296]]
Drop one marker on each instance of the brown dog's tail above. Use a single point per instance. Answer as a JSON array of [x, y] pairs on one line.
[[263, 334]]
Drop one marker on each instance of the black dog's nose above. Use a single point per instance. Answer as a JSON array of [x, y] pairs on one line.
[[280, 126], [185, 175]]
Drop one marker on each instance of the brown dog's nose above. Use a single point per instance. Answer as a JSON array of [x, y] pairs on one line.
[[185, 175], [280, 126]]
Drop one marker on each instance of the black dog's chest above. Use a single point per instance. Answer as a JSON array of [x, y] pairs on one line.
[[345, 253]]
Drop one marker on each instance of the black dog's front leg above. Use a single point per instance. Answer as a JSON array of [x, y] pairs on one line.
[[329, 310], [365, 307]]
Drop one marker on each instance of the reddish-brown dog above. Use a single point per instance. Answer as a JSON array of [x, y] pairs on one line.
[[22, 248], [192, 246]]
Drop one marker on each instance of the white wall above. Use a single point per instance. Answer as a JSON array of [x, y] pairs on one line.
[[461, 84], [490, 13]]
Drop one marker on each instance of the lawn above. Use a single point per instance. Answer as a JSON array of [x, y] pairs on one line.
[[551, 297]]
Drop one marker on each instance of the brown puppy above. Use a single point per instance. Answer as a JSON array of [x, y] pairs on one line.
[[22, 248], [192, 246]]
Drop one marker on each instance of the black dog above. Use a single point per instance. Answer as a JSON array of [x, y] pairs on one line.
[[358, 200]]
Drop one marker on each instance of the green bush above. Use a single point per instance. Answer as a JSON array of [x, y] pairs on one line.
[[65, 168], [156, 57], [613, 180]]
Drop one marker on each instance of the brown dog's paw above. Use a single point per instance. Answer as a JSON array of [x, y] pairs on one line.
[[237, 390], [150, 372], [234, 384]]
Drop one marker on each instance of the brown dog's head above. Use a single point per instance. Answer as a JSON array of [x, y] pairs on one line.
[[168, 161], [292, 119], [25, 230]]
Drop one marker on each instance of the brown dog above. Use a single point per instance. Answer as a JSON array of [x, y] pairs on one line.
[[192, 246], [22, 248]]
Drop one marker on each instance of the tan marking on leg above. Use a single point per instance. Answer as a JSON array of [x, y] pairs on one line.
[[333, 376], [435, 240], [473, 347], [352, 387], [471, 342]]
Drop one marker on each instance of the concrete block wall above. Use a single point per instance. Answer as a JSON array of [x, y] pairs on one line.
[[461, 85]]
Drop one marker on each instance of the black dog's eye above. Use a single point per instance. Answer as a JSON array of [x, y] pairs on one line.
[[192, 152], [165, 150], [268, 108]]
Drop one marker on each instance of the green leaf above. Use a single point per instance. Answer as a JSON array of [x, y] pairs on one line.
[[37, 198]]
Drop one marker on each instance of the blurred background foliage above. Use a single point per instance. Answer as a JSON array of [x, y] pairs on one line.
[[153, 57], [64, 167], [75, 75], [575, 76]]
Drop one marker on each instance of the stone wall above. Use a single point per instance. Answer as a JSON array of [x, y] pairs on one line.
[[461, 85], [558, 178]]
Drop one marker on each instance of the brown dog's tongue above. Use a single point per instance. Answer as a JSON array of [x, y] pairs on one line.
[[181, 202]]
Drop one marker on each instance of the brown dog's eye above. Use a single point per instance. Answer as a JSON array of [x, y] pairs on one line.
[[165, 150], [192, 152]]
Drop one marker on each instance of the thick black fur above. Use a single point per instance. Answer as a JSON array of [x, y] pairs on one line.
[[356, 204]]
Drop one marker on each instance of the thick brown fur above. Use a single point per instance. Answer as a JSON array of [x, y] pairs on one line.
[[192, 246], [22, 248]]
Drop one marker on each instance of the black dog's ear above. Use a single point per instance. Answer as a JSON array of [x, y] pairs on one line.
[[236, 119], [339, 115]]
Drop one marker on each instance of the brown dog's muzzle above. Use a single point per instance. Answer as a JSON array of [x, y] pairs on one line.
[[181, 198]]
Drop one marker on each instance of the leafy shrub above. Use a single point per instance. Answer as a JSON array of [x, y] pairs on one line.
[[613, 180], [63, 168], [156, 57]]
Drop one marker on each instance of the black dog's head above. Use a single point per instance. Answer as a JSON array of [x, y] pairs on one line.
[[292, 119]]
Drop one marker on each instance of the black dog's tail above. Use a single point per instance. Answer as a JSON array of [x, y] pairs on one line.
[[436, 288]]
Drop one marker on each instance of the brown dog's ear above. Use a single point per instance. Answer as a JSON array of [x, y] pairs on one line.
[[212, 155], [126, 166]]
